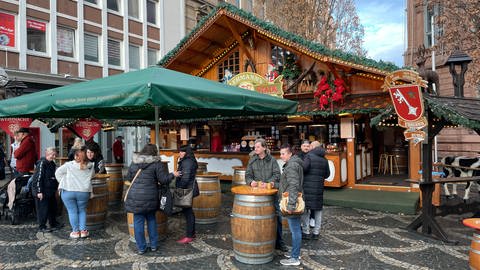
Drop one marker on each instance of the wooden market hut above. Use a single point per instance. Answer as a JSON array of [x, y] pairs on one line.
[[234, 40]]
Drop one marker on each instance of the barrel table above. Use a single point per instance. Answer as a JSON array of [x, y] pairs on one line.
[[115, 183], [474, 254], [253, 224], [162, 223], [238, 176], [98, 203], [206, 206]]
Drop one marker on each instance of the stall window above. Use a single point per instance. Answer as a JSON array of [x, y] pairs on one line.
[[279, 57], [152, 57], [36, 36], [152, 11], [133, 9], [91, 48], [134, 57], [65, 41], [113, 5], [114, 52], [232, 64]]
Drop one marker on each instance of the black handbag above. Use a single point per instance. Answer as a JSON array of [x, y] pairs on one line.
[[183, 197], [166, 200]]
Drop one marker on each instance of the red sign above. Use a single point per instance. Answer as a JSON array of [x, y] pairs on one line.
[[408, 101], [87, 128], [7, 30], [10, 125], [40, 26]]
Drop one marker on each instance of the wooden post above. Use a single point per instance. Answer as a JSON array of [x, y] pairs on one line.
[[350, 162]]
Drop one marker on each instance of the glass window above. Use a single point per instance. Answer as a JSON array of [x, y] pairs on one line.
[[114, 52], [279, 57], [36, 36], [152, 11], [113, 5], [65, 41], [249, 6], [133, 9], [152, 57], [91, 1], [134, 57], [229, 67], [91, 48]]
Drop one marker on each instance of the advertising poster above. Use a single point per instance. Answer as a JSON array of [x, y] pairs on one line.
[[7, 30]]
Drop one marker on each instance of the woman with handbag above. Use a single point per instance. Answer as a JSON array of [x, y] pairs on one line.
[[291, 181], [141, 199], [187, 164]]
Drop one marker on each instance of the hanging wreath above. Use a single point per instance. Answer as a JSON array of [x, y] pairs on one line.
[[325, 95]]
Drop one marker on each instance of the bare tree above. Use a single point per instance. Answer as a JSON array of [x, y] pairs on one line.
[[333, 23]]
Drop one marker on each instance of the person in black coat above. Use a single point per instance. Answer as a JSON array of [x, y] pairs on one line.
[[94, 155], [316, 170], [146, 173], [3, 162], [44, 187], [187, 164]]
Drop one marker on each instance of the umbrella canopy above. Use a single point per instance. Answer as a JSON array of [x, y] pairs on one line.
[[134, 95]]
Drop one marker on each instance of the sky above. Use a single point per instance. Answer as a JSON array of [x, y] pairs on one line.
[[383, 21]]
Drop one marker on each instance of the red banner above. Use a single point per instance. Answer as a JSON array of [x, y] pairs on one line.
[[7, 30], [87, 128], [40, 26], [10, 125], [408, 101]]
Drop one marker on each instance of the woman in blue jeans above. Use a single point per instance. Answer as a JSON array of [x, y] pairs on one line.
[[75, 186], [146, 173]]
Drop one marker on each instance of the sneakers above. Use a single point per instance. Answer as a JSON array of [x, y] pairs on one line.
[[315, 236], [141, 252], [312, 222], [75, 235], [84, 234], [290, 261], [153, 249], [185, 240], [288, 256]]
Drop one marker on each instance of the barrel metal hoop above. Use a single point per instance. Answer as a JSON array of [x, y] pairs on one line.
[[104, 213], [235, 215], [205, 209], [270, 242], [209, 192], [476, 238], [207, 180], [475, 251], [251, 198], [254, 204]]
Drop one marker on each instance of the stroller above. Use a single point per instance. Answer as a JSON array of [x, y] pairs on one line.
[[23, 201]]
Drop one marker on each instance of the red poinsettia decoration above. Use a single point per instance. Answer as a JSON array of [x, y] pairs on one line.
[[325, 94]]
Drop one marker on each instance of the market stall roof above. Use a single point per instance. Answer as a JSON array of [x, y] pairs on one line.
[[134, 95], [227, 26]]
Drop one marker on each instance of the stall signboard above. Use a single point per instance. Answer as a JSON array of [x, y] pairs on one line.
[[40, 26], [407, 100], [87, 128], [10, 125], [255, 82], [7, 30]]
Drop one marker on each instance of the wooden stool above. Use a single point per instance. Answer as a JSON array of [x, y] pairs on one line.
[[383, 163], [392, 161]]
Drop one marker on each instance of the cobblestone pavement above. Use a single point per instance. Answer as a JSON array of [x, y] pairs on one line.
[[350, 239]]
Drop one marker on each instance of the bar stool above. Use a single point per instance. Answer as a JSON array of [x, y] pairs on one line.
[[383, 163], [392, 163]]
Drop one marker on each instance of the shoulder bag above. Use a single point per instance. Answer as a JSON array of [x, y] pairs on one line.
[[133, 181], [166, 200], [299, 208]]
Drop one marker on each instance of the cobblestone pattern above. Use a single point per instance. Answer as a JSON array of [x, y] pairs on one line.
[[350, 239]]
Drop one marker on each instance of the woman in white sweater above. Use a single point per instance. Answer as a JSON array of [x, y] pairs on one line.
[[75, 186]]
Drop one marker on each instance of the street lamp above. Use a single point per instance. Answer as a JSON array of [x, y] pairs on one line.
[[458, 58], [14, 88]]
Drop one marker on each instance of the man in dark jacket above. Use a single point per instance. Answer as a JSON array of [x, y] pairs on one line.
[[316, 170], [25, 155], [262, 168], [44, 187]]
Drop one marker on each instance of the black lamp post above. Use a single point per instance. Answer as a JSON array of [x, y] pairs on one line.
[[14, 88], [458, 58]]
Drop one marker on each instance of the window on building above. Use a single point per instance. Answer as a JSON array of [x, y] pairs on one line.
[[237, 3], [229, 67], [249, 6], [113, 5], [91, 48], [133, 9], [431, 13], [152, 57], [152, 11], [65, 41], [279, 56], [114, 52], [134, 57], [36, 36], [92, 1]]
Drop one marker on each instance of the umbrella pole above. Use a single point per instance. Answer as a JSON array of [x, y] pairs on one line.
[[157, 141]]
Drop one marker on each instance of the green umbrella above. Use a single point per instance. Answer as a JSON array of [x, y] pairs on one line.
[[137, 94]]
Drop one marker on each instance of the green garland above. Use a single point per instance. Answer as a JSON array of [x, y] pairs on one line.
[[312, 46], [448, 113], [383, 115]]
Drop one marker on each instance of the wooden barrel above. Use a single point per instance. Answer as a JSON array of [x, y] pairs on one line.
[[98, 203], [162, 224], [115, 183], [206, 206], [202, 167], [238, 176], [253, 228], [474, 254], [402, 159]]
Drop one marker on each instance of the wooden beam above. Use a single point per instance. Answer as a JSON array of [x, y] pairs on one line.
[[300, 78], [200, 53], [211, 42], [239, 39]]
